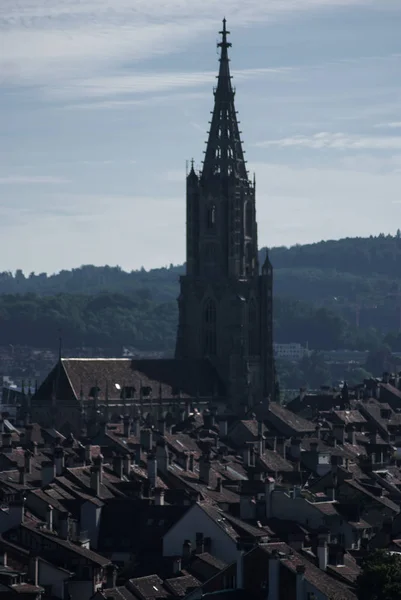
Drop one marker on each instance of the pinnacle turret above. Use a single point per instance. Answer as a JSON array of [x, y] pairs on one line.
[[224, 155]]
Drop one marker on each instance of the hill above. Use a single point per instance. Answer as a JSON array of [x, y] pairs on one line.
[[323, 292]]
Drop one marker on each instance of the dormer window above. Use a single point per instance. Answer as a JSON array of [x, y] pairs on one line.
[[146, 390], [128, 391]]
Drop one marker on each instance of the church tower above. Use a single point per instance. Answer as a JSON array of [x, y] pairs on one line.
[[225, 304]]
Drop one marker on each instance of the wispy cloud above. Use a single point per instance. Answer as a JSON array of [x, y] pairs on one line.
[[391, 125], [27, 180], [338, 141]]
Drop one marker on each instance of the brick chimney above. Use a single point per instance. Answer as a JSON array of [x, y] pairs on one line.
[[204, 468], [274, 576], [159, 497], [98, 462], [64, 525], [146, 439], [59, 460], [152, 470], [48, 473], [49, 517], [300, 582], [28, 433], [27, 461], [111, 577], [95, 480], [22, 475], [126, 426], [127, 464]]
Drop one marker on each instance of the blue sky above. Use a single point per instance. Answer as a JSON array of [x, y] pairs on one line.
[[103, 101]]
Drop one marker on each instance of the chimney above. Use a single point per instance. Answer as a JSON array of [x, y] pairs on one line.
[[64, 525], [247, 506], [146, 439], [126, 426], [48, 473], [261, 445], [98, 462], [246, 454], [95, 480], [27, 461], [49, 518], [199, 544], [204, 468], [191, 462], [300, 585], [177, 565], [322, 552], [339, 431], [16, 512], [352, 436], [295, 448], [3, 558], [159, 497], [162, 426], [269, 489], [118, 465], [59, 460], [33, 569], [219, 486], [136, 428], [240, 567], [186, 551], [22, 473], [111, 577], [34, 446], [1, 425], [162, 456], [127, 464], [7, 445], [152, 470], [88, 454], [274, 576], [223, 427], [28, 433]]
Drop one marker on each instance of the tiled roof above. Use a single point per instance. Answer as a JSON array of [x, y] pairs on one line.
[[191, 377], [84, 552], [380, 499], [149, 588], [179, 586], [273, 461], [333, 589], [289, 418], [118, 593], [349, 416]]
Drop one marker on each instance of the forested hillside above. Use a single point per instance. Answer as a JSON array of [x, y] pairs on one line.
[[331, 294]]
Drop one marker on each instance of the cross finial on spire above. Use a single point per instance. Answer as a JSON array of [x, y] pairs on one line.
[[224, 33]]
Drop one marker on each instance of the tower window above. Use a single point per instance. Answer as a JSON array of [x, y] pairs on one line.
[[248, 220], [211, 216], [253, 335], [209, 333]]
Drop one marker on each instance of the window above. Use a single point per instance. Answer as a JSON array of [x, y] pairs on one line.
[[209, 328], [253, 334], [211, 217], [248, 219], [94, 392], [128, 391]]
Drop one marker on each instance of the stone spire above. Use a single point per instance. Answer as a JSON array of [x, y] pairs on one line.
[[224, 155]]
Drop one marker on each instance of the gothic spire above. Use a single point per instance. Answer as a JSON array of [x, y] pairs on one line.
[[224, 155]]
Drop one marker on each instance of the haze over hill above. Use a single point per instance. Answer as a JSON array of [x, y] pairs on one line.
[[323, 291]]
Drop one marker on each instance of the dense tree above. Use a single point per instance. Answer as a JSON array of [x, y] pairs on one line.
[[380, 578]]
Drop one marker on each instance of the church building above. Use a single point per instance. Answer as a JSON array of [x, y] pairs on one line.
[[224, 349]]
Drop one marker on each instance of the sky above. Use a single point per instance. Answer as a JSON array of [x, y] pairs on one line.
[[103, 102]]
